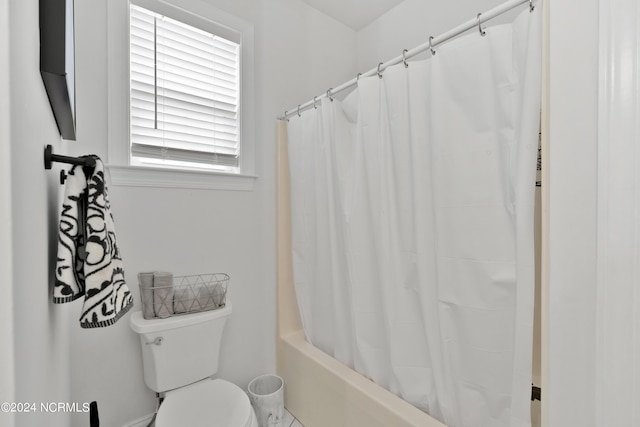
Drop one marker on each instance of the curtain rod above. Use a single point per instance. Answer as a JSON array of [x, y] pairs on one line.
[[406, 54]]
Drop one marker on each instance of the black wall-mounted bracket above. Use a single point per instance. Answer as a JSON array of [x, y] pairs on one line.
[[49, 158]]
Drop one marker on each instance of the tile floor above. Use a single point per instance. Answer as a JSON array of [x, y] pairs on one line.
[[290, 420]]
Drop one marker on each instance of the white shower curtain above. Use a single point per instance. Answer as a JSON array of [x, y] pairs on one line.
[[412, 226]]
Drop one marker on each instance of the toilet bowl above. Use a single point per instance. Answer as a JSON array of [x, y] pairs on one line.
[[180, 356], [210, 403]]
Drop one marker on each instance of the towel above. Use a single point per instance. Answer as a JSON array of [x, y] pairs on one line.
[[88, 263], [163, 294], [146, 294]]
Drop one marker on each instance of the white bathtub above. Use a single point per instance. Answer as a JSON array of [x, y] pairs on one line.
[[321, 392]]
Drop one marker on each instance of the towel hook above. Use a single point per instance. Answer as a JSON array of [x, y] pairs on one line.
[[531, 6], [433, 51], [404, 58], [482, 32], [329, 94], [49, 158], [379, 72]]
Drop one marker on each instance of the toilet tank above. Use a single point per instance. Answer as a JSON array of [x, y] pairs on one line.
[[180, 350]]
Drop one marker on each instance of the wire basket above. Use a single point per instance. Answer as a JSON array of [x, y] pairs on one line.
[[163, 295]]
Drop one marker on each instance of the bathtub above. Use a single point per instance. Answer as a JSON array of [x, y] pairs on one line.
[[320, 391]]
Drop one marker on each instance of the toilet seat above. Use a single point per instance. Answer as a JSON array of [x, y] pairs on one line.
[[207, 403]]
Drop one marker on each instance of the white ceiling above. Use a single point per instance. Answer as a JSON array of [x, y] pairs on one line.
[[356, 14]]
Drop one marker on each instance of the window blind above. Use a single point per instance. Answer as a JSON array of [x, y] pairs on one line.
[[184, 92]]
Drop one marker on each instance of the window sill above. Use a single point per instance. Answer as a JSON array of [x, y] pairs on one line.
[[142, 176]]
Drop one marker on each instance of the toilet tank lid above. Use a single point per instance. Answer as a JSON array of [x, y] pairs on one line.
[[142, 326]]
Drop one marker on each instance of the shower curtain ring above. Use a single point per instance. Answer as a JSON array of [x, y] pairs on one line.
[[315, 107], [298, 110], [379, 72], [404, 58], [329, 94], [433, 51], [482, 32], [358, 76], [285, 115], [531, 6]]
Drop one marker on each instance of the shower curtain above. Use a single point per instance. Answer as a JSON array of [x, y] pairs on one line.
[[412, 207]]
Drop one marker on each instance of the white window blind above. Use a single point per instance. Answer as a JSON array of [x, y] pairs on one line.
[[184, 94]]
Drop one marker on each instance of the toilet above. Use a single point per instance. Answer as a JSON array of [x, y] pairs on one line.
[[179, 356]]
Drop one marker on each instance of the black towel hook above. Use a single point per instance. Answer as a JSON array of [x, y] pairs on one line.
[[49, 158]]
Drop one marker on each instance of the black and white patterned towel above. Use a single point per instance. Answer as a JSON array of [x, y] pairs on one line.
[[88, 263]]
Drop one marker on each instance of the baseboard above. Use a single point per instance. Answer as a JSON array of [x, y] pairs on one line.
[[140, 422]]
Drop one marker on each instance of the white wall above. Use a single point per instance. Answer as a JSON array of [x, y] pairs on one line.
[[569, 394], [618, 322], [41, 337], [7, 364], [411, 23]]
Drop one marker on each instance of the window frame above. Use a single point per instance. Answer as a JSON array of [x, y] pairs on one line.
[[199, 14]]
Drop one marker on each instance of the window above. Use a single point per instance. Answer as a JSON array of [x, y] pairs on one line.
[[180, 96], [184, 94]]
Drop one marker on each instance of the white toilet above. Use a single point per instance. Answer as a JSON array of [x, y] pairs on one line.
[[179, 355]]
